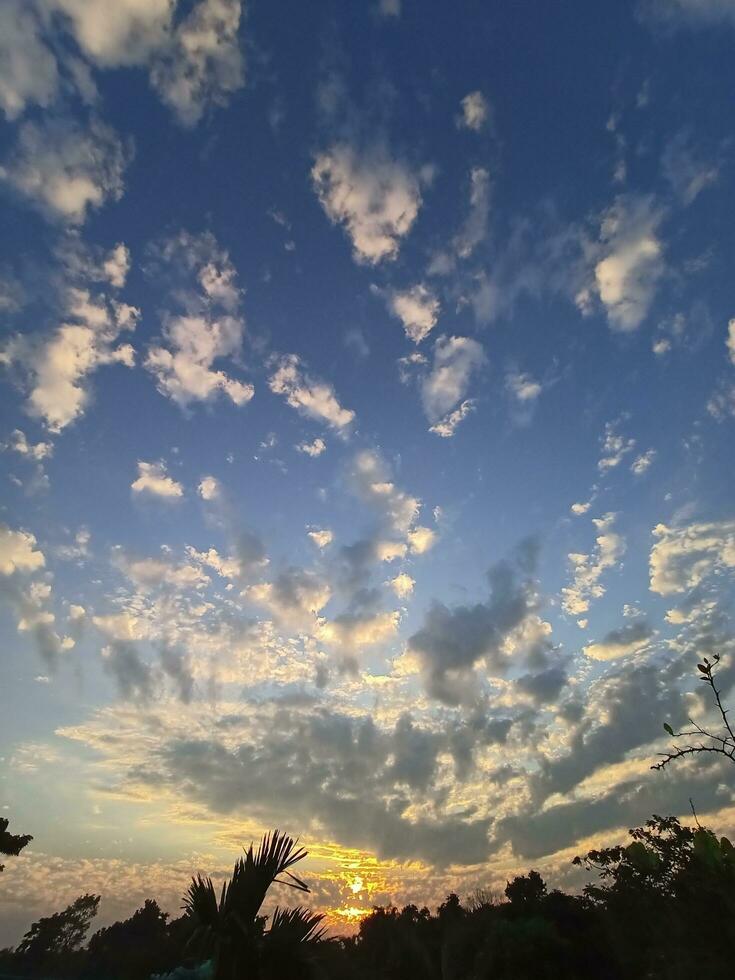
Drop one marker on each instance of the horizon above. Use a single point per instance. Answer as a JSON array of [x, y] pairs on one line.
[[368, 386]]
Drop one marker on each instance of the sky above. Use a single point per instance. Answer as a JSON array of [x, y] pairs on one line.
[[368, 389]]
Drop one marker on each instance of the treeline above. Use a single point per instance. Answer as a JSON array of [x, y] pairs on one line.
[[662, 906]]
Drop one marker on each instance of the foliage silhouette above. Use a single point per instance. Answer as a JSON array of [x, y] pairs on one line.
[[719, 744], [11, 844], [659, 907], [233, 932]]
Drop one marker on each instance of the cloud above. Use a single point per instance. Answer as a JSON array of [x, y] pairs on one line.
[[452, 641], [627, 276], [687, 173], [194, 62], [721, 403], [28, 73], [456, 359], [209, 330], [19, 552], [641, 464], [314, 448], [322, 537], [161, 573], [614, 448], [59, 366], [153, 480], [202, 65], [375, 197], [629, 639], [389, 8], [209, 488], [684, 557], [64, 169], [690, 13], [294, 597], [135, 678], [447, 426], [314, 399], [35, 451], [474, 229], [730, 341], [588, 569], [417, 308], [522, 387], [475, 111], [580, 508], [402, 585]]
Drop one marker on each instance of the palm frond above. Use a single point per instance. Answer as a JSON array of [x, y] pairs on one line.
[[254, 874], [297, 925], [200, 902]]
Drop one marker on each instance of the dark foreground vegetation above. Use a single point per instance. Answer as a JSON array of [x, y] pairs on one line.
[[662, 906]]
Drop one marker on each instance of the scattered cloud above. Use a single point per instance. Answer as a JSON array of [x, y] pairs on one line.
[[589, 568], [682, 558], [641, 464], [153, 480], [64, 170], [614, 448], [374, 196], [475, 111], [417, 308], [322, 537], [314, 448], [314, 399], [456, 359], [209, 488], [629, 639]]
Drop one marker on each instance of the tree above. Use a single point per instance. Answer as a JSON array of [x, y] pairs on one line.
[[135, 947], [232, 930], [11, 844], [722, 743], [55, 938]]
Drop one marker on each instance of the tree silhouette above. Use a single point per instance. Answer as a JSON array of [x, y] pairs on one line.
[[55, 938], [722, 743], [11, 844], [232, 930]]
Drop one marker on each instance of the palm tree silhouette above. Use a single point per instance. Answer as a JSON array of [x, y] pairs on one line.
[[233, 933]]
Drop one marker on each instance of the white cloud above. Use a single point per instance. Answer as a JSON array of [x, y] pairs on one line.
[[721, 404], [580, 508], [522, 387], [624, 642], [294, 597], [153, 479], [225, 567], [209, 488], [627, 276], [315, 399], [19, 552], [64, 169], [690, 12], [184, 368], [398, 510], [389, 8], [313, 449], [417, 308], [588, 569], [683, 557], [474, 229], [194, 62], [474, 111], [117, 265], [36, 451], [402, 585], [28, 73], [420, 539], [374, 196], [59, 367], [685, 171], [730, 341], [447, 426], [614, 448], [156, 573], [202, 65], [322, 537], [455, 361], [643, 462]]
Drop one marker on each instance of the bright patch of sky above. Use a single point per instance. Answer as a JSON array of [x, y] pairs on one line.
[[367, 409]]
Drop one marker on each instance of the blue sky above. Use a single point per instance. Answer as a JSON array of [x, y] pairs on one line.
[[368, 399]]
